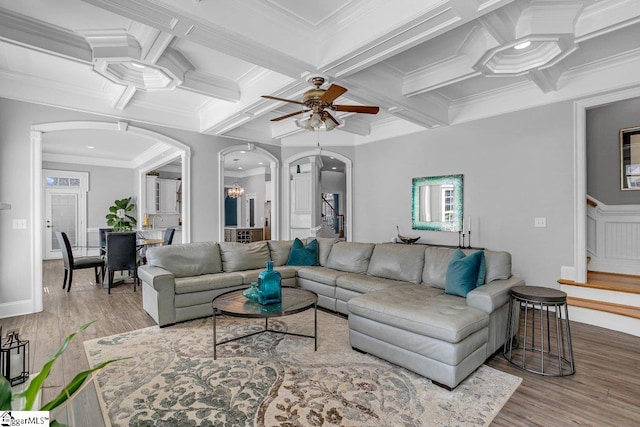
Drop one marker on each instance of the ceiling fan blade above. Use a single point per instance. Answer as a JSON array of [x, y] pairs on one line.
[[288, 115], [357, 109], [333, 119], [282, 99], [332, 93]]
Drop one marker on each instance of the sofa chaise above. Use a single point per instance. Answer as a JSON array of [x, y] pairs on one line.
[[395, 296]]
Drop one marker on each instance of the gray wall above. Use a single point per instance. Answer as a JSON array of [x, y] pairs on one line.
[[106, 184], [16, 119], [516, 167], [603, 151]]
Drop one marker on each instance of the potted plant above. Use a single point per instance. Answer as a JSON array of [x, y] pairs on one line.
[[30, 394], [117, 216]]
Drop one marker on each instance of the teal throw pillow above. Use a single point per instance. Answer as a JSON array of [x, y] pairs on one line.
[[303, 255], [463, 273], [482, 271]]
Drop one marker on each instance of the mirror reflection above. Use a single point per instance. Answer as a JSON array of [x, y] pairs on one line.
[[630, 158], [437, 203]]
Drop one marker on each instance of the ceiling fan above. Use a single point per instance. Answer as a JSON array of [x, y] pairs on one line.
[[318, 101]]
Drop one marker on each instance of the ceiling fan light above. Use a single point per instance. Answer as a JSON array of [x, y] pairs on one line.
[[329, 125], [315, 120], [305, 124]]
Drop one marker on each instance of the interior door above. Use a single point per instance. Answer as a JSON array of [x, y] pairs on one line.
[[63, 212]]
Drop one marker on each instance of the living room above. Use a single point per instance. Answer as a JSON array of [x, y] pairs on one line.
[[522, 145]]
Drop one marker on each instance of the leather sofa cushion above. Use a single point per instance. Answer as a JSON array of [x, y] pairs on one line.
[[422, 310], [398, 262], [244, 256], [206, 282], [324, 248], [279, 251], [187, 260], [362, 283], [350, 256], [497, 265], [320, 274]]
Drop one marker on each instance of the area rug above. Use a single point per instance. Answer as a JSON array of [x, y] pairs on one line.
[[273, 379]]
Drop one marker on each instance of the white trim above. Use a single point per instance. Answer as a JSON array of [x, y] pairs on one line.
[[37, 192], [275, 187], [286, 190], [36, 221], [580, 176]]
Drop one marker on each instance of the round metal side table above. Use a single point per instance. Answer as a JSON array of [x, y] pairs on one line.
[[538, 335]]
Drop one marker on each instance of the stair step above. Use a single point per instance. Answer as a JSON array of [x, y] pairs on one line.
[[609, 307], [609, 282]]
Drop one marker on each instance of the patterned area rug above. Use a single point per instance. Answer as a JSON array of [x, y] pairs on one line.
[[272, 379]]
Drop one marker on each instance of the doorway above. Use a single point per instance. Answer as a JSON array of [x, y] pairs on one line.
[[65, 210], [176, 148], [345, 190], [261, 181]]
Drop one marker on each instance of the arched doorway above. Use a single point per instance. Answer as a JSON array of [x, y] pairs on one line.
[[273, 189], [286, 190], [176, 149]]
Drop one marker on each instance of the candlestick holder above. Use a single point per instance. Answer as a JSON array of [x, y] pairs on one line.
[[460, 239], [469, 246]]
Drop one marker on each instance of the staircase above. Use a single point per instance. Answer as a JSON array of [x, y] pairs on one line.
[[610, 300]]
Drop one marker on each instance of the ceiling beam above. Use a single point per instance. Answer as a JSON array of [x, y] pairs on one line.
[[170, 19], [39, 35]]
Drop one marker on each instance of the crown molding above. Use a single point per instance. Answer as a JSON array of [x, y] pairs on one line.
[[83, 160], [39, 35], [590, 80]]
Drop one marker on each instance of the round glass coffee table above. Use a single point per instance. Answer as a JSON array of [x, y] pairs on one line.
[[235, 304]]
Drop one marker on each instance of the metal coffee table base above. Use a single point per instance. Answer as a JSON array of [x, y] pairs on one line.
[[294, 300], [266, 329]]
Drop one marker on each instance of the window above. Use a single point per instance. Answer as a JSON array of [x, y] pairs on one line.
[[65, 179], [448, 203]]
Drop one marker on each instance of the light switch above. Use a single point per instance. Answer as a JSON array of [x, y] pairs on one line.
[[540, 221], [19, 224]]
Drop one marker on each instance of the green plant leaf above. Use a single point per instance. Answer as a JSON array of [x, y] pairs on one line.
[[36, 383], [5, 394], [74, 385]]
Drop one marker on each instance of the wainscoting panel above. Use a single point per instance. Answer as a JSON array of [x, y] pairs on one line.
[[613, 238]]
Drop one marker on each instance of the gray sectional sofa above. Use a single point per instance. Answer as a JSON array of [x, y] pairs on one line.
[[394, 296]]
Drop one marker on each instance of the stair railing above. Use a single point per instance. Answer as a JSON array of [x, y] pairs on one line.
[[340, 217]]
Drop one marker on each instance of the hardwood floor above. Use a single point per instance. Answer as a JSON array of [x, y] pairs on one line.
[[602, 392]]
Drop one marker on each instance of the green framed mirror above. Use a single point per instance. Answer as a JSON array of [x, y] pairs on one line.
[[437, 203]]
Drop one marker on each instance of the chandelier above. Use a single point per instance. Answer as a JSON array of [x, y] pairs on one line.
[[235, 191], [318, 120]]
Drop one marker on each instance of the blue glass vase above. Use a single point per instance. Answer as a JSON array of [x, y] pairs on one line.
[[269, 290]]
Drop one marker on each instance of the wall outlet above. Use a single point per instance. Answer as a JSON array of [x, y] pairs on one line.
[[540, 221], [19, 224]]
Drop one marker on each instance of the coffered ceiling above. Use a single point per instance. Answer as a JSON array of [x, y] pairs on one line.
[[203, 65]]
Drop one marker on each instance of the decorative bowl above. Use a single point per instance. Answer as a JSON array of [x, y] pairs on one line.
[[251, 293], [409, 240]]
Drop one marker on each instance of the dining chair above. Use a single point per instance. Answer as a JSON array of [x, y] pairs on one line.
[[122, 255], [168, 236], [102, 238], [76, 263]]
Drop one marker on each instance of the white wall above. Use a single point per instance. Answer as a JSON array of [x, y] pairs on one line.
[[516, 167]]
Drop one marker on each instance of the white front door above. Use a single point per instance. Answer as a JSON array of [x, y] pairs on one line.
[[65, 210]]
